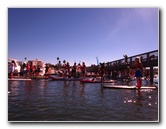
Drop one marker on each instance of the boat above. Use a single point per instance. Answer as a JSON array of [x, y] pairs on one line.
[[40, 66], [17, 67]]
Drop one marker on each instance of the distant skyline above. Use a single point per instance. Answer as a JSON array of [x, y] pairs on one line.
[[81, 34]]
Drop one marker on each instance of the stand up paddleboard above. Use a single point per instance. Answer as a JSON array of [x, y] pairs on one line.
[[96, 81], [19, 79], [128, 87], [64, 79]]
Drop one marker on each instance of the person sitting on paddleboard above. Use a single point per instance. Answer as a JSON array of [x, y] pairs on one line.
[[138, 73]]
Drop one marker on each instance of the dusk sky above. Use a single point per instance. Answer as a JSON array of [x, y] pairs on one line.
[[81, 34]]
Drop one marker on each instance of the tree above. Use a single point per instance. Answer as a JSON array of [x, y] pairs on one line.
[[57, 60], [64, 61]]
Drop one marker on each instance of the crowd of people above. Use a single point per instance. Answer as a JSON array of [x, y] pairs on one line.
[[26, 69], [76, 71], [136, 66]]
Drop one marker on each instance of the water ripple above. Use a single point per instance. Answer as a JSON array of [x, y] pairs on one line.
[[45, 100]]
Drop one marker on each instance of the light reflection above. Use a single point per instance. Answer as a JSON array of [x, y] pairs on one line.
[[82, 90], [13, 87], [137, 100], [129, 101], [78, 96], [43, 84]]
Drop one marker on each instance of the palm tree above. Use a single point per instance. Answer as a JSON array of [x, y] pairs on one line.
[[64, 61], [57, 58]]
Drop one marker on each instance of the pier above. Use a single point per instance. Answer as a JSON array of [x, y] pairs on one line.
[[148, 59]]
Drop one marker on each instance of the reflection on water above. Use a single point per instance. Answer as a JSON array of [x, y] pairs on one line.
[[46, 100], [133, 83]]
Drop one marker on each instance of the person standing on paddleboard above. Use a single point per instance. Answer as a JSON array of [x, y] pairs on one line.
[[138, 73], [12, 68], [83, 70]]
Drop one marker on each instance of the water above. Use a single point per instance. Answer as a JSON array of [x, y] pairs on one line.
[[46, 100]]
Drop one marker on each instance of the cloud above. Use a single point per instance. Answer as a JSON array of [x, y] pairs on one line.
[[125, 17], [122, 21], [146, 14]]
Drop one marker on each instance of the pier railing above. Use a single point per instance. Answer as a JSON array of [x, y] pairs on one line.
[[148, 59]]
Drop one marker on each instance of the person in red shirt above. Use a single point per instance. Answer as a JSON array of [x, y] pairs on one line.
[[28, 69]]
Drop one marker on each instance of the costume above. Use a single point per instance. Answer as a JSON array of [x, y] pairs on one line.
[[138, 73]]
